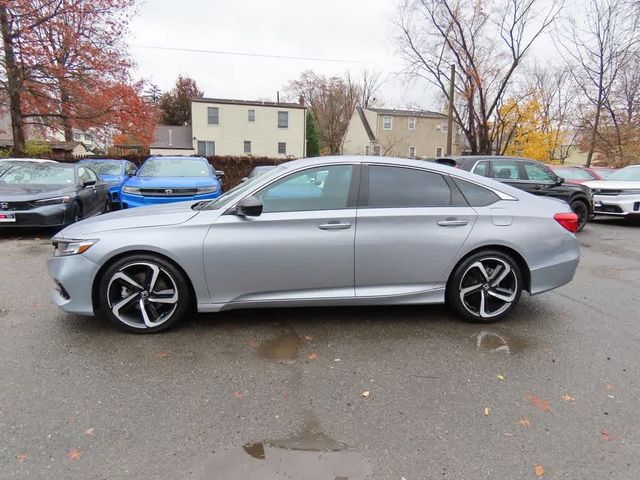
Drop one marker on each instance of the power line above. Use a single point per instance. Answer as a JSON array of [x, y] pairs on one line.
[[261, 55]]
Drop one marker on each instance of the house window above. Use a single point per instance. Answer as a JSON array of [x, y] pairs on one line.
[[252, 116], [283, 119], [77, 137], [366, 150], [282, 148], [206, 149], [247, 146], [412, 123], [376, 150], [387, 122], [412, 152], [213, 116], [438, 152]]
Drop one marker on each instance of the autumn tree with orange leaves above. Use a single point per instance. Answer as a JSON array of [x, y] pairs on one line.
[[65, 66]]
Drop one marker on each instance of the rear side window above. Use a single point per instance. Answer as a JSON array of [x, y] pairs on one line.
[[476, 195], [406, 187], [506, 170]]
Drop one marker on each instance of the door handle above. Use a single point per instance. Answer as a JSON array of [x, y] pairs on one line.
[[334, 226], [452, 222]]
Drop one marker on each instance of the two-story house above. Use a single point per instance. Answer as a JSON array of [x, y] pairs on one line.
[[241, 127], [397, 133]]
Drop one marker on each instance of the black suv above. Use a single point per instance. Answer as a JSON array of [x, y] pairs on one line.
[[530, 176]]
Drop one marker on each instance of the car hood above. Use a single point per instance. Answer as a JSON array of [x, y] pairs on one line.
[[26, 193], [155, 216], [612, 185], [170, 182]]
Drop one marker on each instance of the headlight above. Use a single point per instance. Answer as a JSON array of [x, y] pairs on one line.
[[52, 201], [210, 189], [630, 192], [132, 190], [64, 247]]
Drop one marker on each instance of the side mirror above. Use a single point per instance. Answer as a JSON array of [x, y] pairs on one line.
[[219, 173], [88, 183], [559, 181], [249, 207]]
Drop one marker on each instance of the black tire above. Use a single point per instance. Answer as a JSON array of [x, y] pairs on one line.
[[107, 206], [581, 209], [170, 282], [467, 275], [76, 212]]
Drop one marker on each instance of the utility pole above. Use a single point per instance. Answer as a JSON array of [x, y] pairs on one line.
[[450, 118]]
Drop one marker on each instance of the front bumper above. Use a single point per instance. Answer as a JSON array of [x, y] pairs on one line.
[[114, 194], [74, 276], [46, 216], [130, 201], [616, 206]]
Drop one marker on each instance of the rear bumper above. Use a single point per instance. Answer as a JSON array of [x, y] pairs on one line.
[[131, 201], [47, 216], [616, 206], [74, 276], [553, 276]]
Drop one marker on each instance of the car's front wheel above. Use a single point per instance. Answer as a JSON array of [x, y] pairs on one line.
[[581, 209], [485, 287], [144, 294]]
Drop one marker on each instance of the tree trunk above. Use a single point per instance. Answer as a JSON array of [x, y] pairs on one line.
[[13, 84], [594, 133]]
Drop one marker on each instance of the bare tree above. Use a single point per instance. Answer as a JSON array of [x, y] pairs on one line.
[[598, 50], [487, 43]]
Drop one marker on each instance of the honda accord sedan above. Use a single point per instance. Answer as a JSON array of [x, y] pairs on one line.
[[321, 231], [50, 195]]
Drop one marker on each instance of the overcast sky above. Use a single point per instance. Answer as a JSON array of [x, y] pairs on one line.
[[358, 30]]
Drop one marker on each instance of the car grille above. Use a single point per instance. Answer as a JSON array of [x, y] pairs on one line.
[[15, 206], [168, 192], [606, 191], [608, 209]]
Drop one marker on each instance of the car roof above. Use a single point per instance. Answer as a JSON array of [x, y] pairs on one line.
[[87, 160], [33, 160]]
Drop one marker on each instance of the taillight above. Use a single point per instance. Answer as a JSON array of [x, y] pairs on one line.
[[568, 221]]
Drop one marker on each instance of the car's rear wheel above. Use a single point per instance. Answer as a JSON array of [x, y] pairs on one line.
[[144, 294], [581, 209], [485, 287], [76, 215]]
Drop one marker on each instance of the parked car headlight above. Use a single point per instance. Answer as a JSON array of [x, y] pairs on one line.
[[210, 189], [64, 247], [132, 190], [52, 201]]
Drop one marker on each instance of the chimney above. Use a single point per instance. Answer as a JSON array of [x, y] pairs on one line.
[[301, 100], [278, 97]]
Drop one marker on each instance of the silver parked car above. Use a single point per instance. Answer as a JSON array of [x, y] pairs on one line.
[[321, 231]]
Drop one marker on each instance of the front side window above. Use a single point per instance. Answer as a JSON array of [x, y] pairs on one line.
[[412, 123], [89, 175], [206, 149], [213, 116], [387, 122], [131, 169], [282, 148], [252, 116], [320, 188], [506, 170], [394, 187], [283, 119], [247, 146], [538, 173]]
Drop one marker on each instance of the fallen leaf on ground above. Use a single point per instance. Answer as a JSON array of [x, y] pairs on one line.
[[524, 422], [312, 356], [538, 470], [365, 394], [88, 431], [74, 454], [487, 411], [609, 386], [606, 435], [238, 395], [539, 403], [336, 359], [252, 342], [568, 398], [21, 457], [162, 354], [500, 376], [308, 338]]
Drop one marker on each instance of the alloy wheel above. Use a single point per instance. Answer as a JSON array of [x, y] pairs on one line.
[[142, 295], [488, 287]]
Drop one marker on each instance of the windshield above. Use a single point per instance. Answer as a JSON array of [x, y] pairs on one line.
[[175, 167], [573, 173], [105, 168], [628, 174], [237, 191], [39, 174]]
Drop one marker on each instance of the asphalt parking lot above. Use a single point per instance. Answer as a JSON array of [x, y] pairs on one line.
[[341, 393]]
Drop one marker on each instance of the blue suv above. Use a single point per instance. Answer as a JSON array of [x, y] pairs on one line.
[[114, 173], [171, 179]]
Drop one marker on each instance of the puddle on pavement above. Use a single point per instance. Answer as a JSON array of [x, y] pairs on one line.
[[496, 342], [284, 347], [309, 454]]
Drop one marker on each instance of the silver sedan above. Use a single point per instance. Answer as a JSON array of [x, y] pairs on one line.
[[321, 231]]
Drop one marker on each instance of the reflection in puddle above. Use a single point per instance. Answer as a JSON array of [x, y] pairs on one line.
[[283, 347], [308, 455], [494, 342]]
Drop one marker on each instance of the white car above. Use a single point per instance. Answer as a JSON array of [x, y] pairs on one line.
[[619, 194]]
